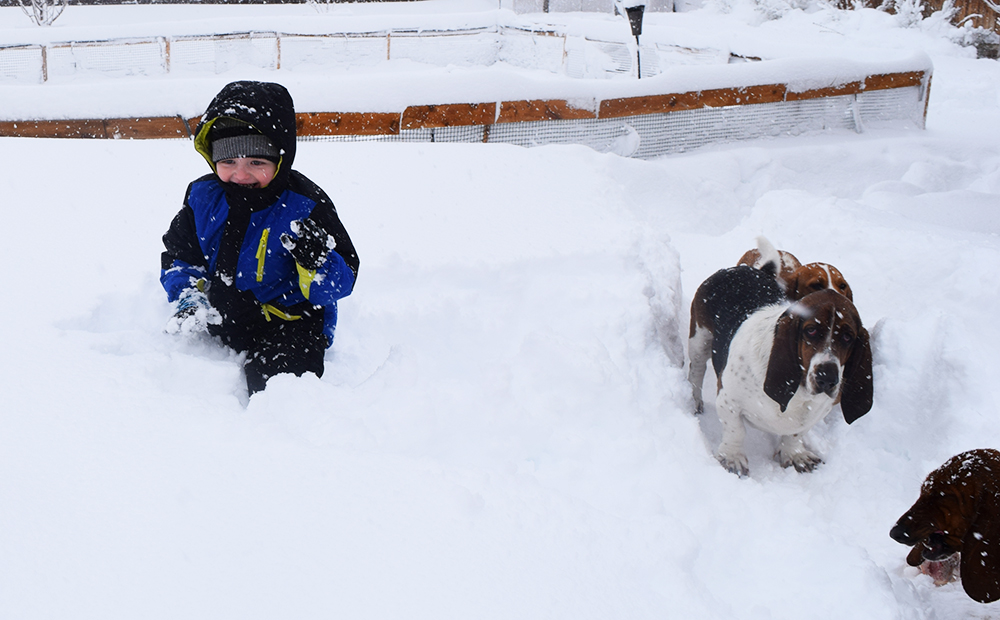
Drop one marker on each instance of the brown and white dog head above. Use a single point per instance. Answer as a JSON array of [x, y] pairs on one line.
[[821, 345], [813, 277], [958, 511]]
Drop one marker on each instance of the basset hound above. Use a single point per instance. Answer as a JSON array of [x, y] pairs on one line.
[[781, 366], [779, 263], [958, 514], [796, 279], [813, 277]]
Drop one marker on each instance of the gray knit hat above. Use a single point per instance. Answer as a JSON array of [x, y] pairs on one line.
[[231, 139]]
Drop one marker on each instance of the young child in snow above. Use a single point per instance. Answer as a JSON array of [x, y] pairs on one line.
[[257, 256]]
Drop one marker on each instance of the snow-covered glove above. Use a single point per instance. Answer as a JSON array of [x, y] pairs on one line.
[[194, 314], [311, 246]]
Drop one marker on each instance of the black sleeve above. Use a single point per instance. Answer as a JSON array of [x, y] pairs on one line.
[[181, 240], [325, 214]]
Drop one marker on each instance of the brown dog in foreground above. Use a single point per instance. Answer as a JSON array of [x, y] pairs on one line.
[[958, 513]]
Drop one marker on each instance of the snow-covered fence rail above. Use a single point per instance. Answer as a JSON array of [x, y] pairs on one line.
[[643, 126], [576, 56]]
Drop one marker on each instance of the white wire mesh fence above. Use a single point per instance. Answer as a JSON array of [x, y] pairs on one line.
[[652, 135], [125, 58], [576, 56], [22, 63], [221, 53], [637, 127], [642, 127]]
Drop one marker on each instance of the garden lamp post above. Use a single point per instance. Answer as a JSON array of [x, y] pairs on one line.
[[635, 21]]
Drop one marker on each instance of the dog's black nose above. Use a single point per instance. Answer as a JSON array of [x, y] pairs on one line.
[[901, 535], [826, 377]]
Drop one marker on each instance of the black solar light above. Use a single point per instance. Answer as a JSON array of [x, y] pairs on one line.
[[635, 20]]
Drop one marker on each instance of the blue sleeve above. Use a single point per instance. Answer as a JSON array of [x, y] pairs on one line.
[[182, 263], [333, 281], [178, 277]]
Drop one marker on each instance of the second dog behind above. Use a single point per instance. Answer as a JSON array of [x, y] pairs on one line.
[[779, 263], [794, 278]]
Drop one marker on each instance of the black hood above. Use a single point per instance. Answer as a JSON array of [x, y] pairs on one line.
[[269, 109]]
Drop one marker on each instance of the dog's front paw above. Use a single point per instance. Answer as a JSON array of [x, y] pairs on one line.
[[734, 463], [803, 460]]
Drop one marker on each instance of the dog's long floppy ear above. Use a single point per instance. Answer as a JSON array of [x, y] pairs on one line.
[[784, 368], [792, 284], [916, 556], [858, 389], [981, 559]]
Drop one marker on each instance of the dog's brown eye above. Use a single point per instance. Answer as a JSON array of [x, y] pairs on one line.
[[842, 286], [847, 337], [811, 331]]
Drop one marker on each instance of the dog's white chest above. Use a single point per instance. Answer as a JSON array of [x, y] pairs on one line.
[[743, 381]]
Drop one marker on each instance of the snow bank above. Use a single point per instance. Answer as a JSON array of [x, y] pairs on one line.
[[503, 429]]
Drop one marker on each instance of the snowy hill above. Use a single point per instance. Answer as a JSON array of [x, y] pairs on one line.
[[504, 429]]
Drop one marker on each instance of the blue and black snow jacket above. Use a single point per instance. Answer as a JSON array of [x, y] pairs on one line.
[[227, 239]]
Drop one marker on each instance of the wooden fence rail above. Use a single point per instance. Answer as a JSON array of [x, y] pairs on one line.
[[463, 114]]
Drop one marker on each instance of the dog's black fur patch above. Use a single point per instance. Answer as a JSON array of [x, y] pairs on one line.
[[730, 296]]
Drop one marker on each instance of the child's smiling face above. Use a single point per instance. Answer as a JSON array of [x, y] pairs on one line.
[[246, 171]]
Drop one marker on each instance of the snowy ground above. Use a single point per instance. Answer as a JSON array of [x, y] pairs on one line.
[[504, 428]]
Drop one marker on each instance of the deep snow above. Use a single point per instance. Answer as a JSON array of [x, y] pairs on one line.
[[504, 428]]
